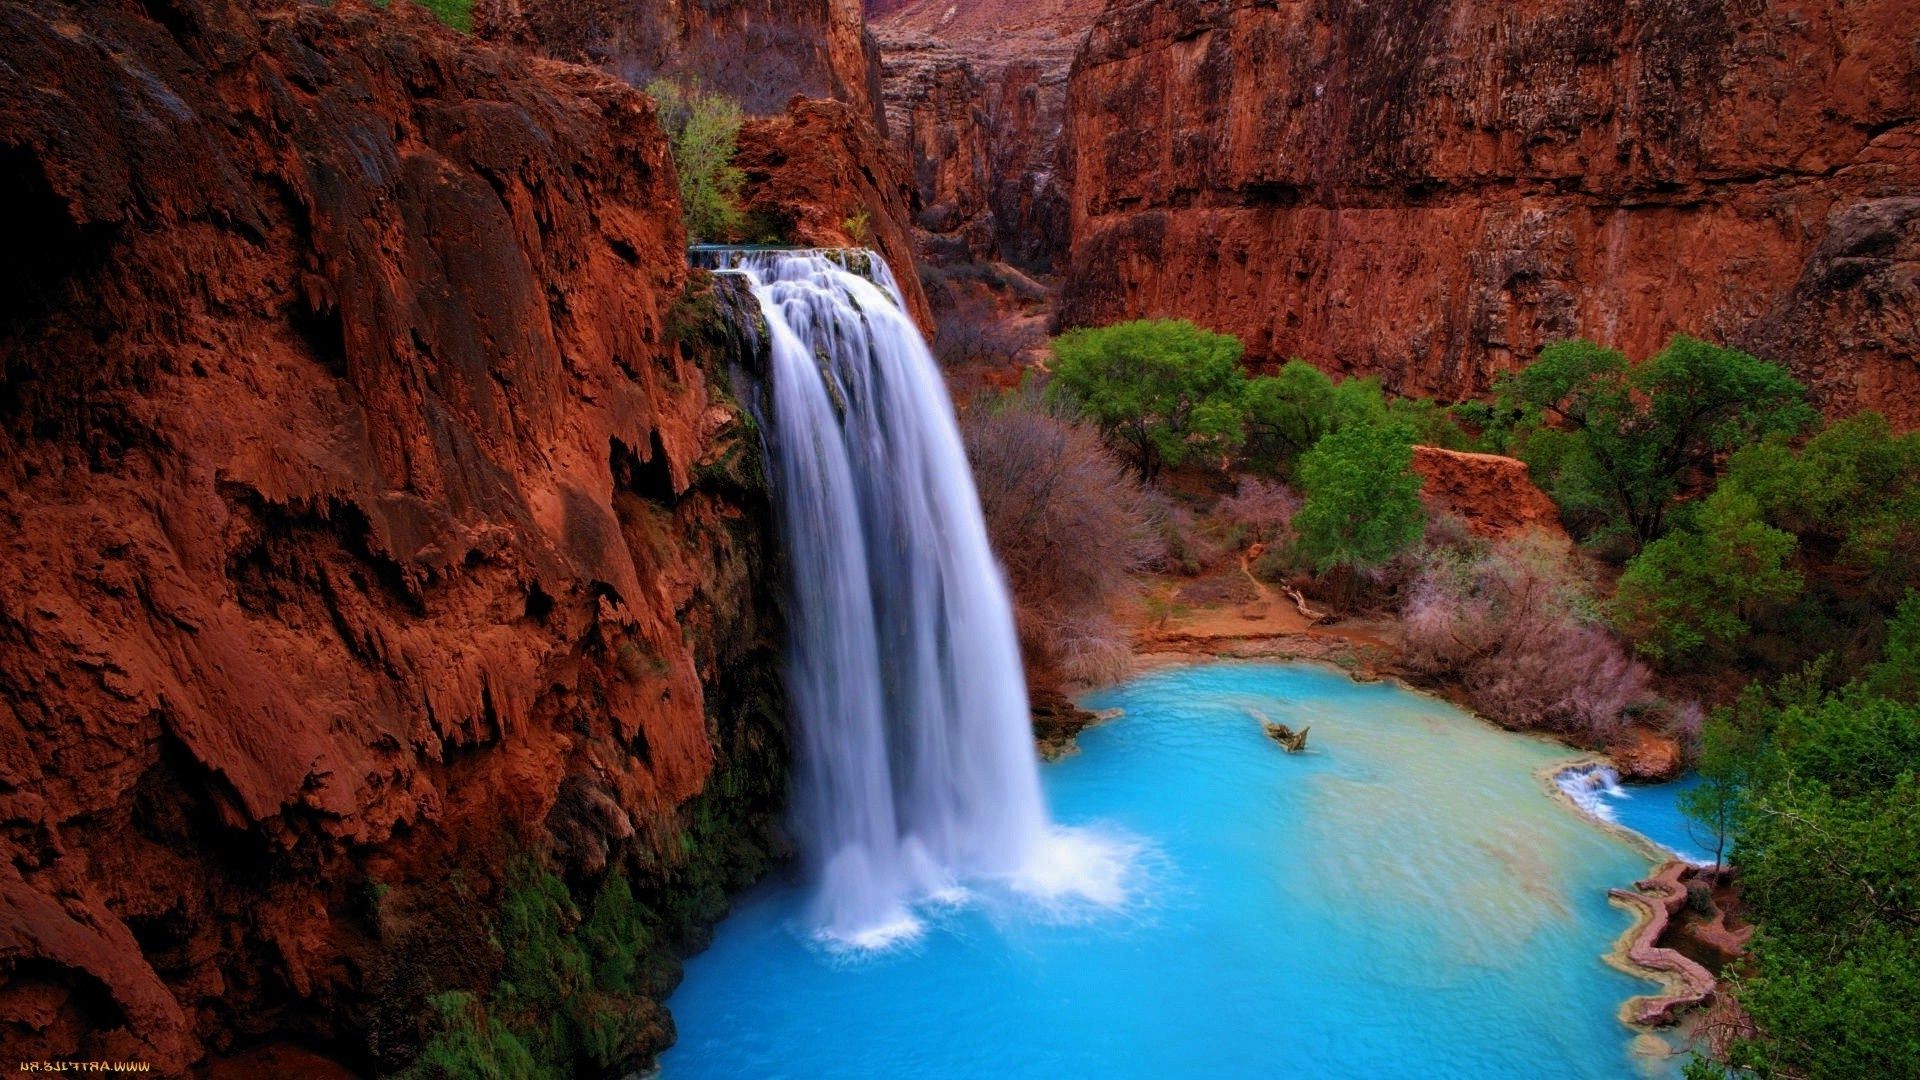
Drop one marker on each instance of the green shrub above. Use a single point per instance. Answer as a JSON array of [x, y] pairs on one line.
[[1291, 410], [1160, 389], [1698, 589], [473, 1045], [703, 130], [455, 13], [1825, 813], [1362, 498], [1611, 441]]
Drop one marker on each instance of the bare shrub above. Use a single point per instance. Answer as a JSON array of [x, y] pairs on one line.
[[974, 331], [1070, 524], [1508, 625], [1262, 509], [1184, 544]]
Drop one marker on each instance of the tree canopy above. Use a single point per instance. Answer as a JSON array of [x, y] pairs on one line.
[[1161, 389], [1822, 794], [703, 131], [1612, 441], [1362, 497]]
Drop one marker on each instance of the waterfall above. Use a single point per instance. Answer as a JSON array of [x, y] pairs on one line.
[[914, 764], [1592, 788]]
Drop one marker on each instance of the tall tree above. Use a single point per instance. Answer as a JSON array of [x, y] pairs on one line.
[[1362, 498], [1612, 441], [1161, 389]]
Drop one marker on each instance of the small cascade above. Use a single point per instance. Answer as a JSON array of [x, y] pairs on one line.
[[1592, 788], [914, 760]]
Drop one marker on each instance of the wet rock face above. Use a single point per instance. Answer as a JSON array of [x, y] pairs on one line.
[[367, 513], [760, 52], [1429, 190], [976, 97], [821, 176]]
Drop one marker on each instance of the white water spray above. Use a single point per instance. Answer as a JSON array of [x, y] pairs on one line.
[[914, 760]]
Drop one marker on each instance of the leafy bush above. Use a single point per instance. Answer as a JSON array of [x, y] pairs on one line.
[[1852, 491], [455, 13], [1698, 589], [1288, 412], [1611, 441], [1822, 795], [703, 131], [1799, 550], [1069, 524], [1160, 389], [1508, 622], [1362, 498], [473, 1045], [571, 992]]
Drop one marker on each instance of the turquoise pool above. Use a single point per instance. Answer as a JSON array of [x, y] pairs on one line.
[[1403, 900]]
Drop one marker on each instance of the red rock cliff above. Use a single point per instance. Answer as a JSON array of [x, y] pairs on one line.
[[1430, 190], [761, 52], [976, 98], [364, 514]]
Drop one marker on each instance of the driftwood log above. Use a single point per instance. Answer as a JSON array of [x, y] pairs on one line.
[[1294, 741], [1300, 602]]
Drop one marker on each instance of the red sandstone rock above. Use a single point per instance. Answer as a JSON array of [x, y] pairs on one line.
[[1492, 494], [815, 168], [761, 52], [1646, 756], [1429, 190], [976, 97], [347, 450]]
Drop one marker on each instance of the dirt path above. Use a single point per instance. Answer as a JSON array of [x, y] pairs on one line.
[[1268, 624]]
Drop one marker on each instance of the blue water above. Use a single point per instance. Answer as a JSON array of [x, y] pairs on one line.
[[1403, 900], [1653, 811]]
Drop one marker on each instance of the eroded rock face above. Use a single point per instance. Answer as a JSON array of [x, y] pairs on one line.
[[367, 513], [1492, 494], [1429, 190], [976, 97], [824, 177], [760, 52]]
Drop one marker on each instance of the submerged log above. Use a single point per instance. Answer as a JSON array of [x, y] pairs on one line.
[[1294, 741]]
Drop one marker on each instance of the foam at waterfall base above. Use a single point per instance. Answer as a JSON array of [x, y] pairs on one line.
[[1076, 874]]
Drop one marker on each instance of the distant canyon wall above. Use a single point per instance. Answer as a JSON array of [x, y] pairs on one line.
[[761, 52], [976, 98], [813, 165], [371, 511], [1429, 190]]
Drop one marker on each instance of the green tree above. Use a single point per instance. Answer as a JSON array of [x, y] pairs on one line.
[[1826, 835], [1362, 498], [1289, 411], [1160, 389], [1851, 492], [703, 131], [1897, 675], [1698, 589], [1612, 440]]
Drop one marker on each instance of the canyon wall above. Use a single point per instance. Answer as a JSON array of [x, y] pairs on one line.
[[976, 98], [807, 72], [1429, 190], [372, 512], [760, 52], [823, 177]]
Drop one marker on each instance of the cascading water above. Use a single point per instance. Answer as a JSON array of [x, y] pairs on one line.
[[914, 761]]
